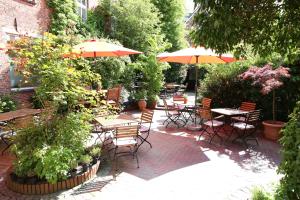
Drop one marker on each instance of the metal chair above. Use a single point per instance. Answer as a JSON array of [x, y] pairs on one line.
[[210, 125], [127, 137], [245, 106], [6, 135], [145, 126], [173, 115], [247, 129]]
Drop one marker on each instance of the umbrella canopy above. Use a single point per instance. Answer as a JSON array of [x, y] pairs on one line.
[[196, 55], [94, 48], [2, 46]]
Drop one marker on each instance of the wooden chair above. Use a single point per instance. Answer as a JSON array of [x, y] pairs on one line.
[[173, 115], [113, 96], [206, 103], [210, 125], [245, 106], [247, 129], [145, 126], [127, 137]]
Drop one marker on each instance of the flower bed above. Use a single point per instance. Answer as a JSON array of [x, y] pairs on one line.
[[46, 188]]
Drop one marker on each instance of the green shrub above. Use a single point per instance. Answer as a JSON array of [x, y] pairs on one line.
[[290, 165], [48, 147], [260, 194], [7, 103]]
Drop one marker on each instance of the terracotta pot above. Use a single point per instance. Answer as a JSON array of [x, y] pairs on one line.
[[152, 104], [185, 100], [142, 104], [272, 129]]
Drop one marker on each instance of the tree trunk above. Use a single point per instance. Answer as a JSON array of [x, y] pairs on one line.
[[274, 106]]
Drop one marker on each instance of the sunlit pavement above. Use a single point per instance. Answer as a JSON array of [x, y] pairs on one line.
[[179, 166]]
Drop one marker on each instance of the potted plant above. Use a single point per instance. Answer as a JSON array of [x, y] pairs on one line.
[[152, 101], [185, 98], [85, 161], [73, 165], [140, 96], [269, 79], [95, 153]]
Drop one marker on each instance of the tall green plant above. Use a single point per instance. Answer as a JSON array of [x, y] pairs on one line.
[[290, 183]]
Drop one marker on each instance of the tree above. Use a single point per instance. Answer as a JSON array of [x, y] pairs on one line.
[[267, 25], [172, 25]]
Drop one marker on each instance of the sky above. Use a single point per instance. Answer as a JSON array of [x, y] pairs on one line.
[[189, 6]]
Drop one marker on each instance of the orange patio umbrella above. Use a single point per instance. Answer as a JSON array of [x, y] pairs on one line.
[[94, 48], [196, 55]]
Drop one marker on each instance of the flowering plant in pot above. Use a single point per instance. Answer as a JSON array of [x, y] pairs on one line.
[[140, 96], [269, 79]]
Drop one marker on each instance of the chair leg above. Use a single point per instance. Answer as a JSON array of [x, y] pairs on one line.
[[115, 159]]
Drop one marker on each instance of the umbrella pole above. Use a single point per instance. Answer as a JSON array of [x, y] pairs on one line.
[[196, 87]]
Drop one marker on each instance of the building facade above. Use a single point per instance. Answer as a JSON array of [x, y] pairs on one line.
[[25, 17]]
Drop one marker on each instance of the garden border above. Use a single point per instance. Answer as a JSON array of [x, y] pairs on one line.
[[47, 188]]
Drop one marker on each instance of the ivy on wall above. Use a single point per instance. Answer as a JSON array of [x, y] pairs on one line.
[[64, 18]]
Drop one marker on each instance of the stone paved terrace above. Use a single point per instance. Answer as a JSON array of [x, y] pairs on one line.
[[179, 166]]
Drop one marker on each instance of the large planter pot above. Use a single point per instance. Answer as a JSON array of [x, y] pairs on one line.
[[272, 129], [152, 104], [142, 104]]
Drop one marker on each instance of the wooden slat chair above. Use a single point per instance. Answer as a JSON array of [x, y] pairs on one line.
[[113, 96], [245, 106], [247, 129], [126, 136], [145, 126], [210, 125], [206, 103], [173, 116]]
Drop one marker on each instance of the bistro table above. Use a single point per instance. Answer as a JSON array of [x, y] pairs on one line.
[[110, 123], [228, 113], [10, 116]]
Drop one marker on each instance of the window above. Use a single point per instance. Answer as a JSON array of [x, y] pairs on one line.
[[82, 9]]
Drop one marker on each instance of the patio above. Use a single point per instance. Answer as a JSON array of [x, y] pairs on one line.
[[178, 166]]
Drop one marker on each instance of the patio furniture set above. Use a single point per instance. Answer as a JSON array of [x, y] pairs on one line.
[[242, 121]]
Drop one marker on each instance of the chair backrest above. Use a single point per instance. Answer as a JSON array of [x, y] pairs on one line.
[[166, 107], [248, 106], [147, 116], [253, 117], [206, 102], [126, 131], [178, 98], [205, 114], [113, 94]]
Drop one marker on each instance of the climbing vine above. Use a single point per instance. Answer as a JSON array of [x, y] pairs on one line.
[[64, 18]]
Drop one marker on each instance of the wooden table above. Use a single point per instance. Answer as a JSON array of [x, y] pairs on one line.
[[8, 116], [229, 111]]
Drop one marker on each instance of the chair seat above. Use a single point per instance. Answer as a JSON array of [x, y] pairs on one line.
[[213, 123], [144, 129], [242, 125], [174, 112], [239, 118], [124, 141], [111, 102]]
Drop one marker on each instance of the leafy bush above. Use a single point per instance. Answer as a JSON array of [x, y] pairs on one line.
[[7, 103], [260, 194], [290, 183], [49, 147], [222, 84]]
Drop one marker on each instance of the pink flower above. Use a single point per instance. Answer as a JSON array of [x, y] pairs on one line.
[[267, 77]]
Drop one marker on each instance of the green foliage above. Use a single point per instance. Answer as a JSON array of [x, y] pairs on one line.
[[172, 24], [7, 103], [48, 147], [268, 26], [290, 183], [64, 18], [259, 194], [176, 73], [140, 94], [234, 90], [95, 152], [86, 159], [62, 81]]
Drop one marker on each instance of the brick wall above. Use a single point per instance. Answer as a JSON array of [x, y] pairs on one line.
[[17, 17]]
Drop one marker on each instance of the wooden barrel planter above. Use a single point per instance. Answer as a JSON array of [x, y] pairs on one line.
[[47, 188]]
